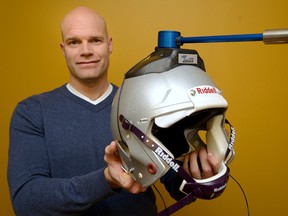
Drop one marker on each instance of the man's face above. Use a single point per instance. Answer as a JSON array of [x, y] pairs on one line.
[[86, 48]]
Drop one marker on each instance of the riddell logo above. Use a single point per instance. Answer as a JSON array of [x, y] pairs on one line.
[[220, 188], [167, 159], [207, 90]]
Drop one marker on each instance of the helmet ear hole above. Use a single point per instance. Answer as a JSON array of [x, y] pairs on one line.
[[152, 169]]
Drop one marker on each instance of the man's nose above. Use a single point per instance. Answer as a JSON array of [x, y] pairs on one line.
[[86, 49]]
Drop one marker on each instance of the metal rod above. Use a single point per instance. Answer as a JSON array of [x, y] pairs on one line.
[[222, 38], [173, 39]]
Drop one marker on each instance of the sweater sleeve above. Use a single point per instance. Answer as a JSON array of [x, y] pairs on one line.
[[33, 190]]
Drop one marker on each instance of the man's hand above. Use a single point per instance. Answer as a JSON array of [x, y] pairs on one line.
[[115, 175], [201, 165]]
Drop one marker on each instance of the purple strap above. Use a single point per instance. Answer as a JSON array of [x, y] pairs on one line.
[[231, 141], [176, 206], [153, 146], [191, 188]]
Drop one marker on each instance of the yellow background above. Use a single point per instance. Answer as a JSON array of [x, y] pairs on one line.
[[252, 75]]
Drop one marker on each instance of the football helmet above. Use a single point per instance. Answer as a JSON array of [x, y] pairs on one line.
[[167, 107]]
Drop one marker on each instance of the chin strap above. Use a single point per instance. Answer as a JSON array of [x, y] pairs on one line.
[[178, 205], [230, 153], [207, 190]]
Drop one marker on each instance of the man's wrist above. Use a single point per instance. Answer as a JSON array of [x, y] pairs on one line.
[[112, 183]]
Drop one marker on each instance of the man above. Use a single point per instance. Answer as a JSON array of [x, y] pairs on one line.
[[59, 139]]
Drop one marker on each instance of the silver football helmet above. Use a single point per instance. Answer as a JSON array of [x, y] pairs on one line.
[[159, 110]]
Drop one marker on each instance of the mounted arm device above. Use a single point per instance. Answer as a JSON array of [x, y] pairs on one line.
[[173, 39]]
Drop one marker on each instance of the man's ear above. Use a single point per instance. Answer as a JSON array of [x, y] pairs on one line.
[[110, 45], [62, 48]]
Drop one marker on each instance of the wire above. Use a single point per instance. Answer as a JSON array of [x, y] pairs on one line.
[[243, 192], [163, 201]]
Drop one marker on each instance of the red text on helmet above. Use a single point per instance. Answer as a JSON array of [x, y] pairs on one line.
[[207, 90]]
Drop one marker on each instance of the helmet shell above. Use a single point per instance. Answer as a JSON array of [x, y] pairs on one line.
[[161, 85]]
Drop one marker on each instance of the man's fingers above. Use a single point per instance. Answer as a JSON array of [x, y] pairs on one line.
[[214, 162], [114, 173], [207, 170], [200, 164], [130, 184], [110, 152], [111, 149], [186, 164], [194, 166]]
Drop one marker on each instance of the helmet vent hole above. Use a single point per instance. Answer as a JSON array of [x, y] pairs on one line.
[[152, 169]]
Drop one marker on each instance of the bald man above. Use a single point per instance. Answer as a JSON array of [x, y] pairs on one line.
[[60, 159], [58, 138]]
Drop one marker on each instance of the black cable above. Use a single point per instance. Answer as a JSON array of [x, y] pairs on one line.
[[163, 201], [243, 192]]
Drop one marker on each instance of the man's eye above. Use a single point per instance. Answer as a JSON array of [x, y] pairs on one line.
[[96, 40], [73, 42]]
